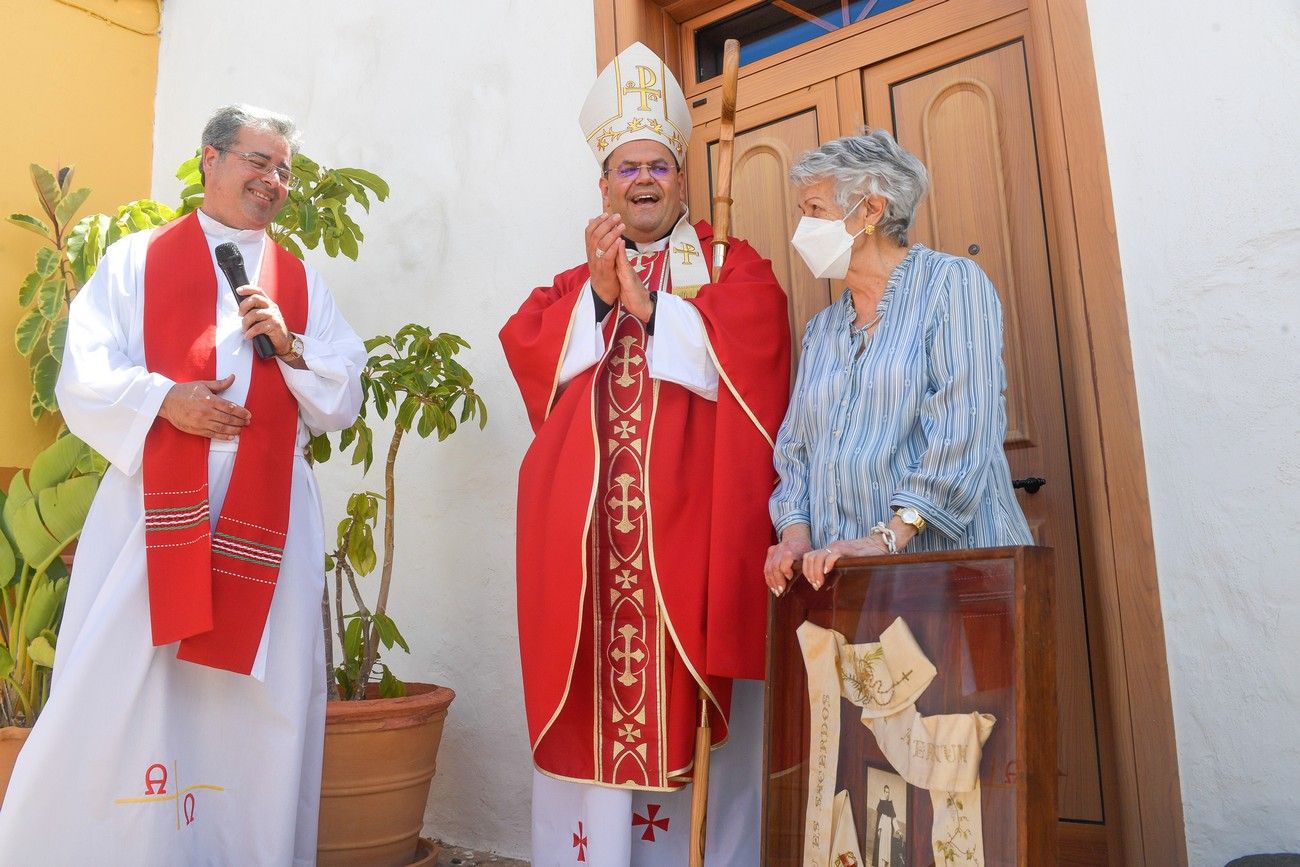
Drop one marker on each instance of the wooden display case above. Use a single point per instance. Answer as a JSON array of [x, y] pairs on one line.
[[984, 618]]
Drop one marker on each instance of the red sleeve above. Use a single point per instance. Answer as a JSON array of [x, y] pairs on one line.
[[534, 340], [747, 320]]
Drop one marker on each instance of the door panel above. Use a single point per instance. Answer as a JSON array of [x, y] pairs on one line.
[[769, 138], [966, 113]]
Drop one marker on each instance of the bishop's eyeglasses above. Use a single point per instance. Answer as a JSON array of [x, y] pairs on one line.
[[630, 171], [263, 166]]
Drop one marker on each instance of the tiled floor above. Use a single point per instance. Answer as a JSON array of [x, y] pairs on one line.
[[456, 856]]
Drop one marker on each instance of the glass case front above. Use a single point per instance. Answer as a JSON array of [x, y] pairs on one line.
[[911, 717]]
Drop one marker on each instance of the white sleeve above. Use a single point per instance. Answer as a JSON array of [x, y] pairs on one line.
[[105, 394], [586, 342], [329, 390], [678, 351]]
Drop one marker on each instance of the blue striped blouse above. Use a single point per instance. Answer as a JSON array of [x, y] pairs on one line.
[[912, 416]]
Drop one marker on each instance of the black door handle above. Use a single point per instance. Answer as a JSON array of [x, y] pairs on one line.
[[1031, 484]]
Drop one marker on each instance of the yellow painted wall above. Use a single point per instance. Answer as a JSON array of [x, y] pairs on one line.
[[78, 89]]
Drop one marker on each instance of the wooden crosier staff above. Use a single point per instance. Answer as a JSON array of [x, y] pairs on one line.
[[726, 141], [721, 229]]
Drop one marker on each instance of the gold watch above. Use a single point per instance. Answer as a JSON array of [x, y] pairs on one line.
[[295, 349], [911, 517]]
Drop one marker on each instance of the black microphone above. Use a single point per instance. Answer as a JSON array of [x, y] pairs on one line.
[[231, 263]]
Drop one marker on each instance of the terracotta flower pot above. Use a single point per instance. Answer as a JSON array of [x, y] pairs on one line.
[[380, 756], [12, 739]]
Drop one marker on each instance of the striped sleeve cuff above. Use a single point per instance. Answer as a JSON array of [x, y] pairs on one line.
[[940, 519]]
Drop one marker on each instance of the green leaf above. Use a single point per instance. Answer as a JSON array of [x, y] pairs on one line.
[[406, 415], [44, 521], [348, 244], [47, 261], [6, 662], [50, 299], [361, 549], [352, 639], [389, 634], [41, 649], [189, 169], [31, 285], [369, 179], [32, 224], [428, 420], [40, 609], [65, 506], [45, 375], [56, 463], [58, 336], [70, 204], [86, 245], [30, 329], [389, 685], [320, 448], [8, 562], [91, 463], [47, 187], [384, 626]]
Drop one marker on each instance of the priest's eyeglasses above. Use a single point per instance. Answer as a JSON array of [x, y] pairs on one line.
[[631, 171], [263, 166]]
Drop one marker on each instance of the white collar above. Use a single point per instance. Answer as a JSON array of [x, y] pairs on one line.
[[221, 232]]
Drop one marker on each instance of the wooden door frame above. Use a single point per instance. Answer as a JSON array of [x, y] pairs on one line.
[[1145, 817]]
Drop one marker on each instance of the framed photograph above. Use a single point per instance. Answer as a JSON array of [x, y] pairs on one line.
[[886, 832]]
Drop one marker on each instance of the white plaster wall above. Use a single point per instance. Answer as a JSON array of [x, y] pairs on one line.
[[469, 110], [1202, 136]]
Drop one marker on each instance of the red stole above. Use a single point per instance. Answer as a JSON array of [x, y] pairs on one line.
[[212, 592]]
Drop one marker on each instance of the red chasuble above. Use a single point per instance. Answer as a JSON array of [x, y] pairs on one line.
[[212, 591], [643, 525]]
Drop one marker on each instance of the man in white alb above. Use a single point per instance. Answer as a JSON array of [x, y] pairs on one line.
[[186, 719]]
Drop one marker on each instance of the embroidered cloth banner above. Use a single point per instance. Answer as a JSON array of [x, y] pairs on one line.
[[938, 753]]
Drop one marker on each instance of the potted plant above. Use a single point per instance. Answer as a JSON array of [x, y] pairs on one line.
[[382, 736], [41, 515]]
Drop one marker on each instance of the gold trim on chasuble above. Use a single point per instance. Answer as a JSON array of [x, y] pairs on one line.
[[628, 665]]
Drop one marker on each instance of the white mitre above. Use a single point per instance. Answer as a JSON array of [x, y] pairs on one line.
[[636, 97]]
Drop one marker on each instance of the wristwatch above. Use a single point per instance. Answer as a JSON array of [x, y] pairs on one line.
[[295, 349], [911, 517]]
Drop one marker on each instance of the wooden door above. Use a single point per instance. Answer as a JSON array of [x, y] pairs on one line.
[[963, 106], [769, 138]]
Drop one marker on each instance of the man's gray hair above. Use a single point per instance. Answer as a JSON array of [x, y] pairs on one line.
[[223, 128], [870, 163]]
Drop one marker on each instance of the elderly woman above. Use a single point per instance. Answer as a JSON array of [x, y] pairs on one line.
[[894, 434]]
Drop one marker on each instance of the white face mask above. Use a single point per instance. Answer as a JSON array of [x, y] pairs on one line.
[[826, 245]]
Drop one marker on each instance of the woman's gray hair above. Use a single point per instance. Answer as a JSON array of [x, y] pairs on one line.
[[223, 128], [870, 163]]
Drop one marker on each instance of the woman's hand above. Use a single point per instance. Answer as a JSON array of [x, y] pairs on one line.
[[816, 564], [778, 571]]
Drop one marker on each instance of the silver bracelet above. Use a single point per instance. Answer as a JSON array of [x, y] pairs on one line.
[[891, 540]]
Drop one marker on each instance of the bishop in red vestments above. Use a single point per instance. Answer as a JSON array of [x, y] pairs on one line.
[[655, 395]]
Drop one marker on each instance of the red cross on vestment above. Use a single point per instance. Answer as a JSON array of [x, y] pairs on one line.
[[650, 822], [580, 843]]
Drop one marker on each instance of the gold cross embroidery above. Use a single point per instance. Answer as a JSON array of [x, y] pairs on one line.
[[687, 251], [645, 86], [624, 654], [626, 360], [627, 503]]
